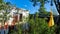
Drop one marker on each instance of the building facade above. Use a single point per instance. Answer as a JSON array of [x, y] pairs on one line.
[[16, 15]]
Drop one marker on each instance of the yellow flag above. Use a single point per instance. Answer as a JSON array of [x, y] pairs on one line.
[[51, 21]]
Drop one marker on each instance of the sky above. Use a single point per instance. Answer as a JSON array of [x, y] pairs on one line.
[[26, 4]]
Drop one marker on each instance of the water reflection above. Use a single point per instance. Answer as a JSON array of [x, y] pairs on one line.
[[4, 31], [25, 28]]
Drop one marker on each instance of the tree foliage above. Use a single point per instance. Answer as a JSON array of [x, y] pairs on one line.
[[40, 26], [4, 5]]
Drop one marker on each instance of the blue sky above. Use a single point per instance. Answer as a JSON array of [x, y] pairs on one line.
[[26, 4]]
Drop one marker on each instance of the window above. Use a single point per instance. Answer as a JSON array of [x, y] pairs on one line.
[[20, 17]]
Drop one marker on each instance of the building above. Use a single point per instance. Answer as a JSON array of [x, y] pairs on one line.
[[16, 15]]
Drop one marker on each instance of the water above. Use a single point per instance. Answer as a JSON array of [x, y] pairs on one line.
[[25, 27], [2, 31]]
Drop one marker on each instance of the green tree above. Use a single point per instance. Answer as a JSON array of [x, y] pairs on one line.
[[4, 5], [41, 23], [40, 26]]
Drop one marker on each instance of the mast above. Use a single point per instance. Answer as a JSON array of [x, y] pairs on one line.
[[57, 4]]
